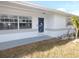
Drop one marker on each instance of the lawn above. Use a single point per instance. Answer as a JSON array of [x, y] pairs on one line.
[[44, 49]]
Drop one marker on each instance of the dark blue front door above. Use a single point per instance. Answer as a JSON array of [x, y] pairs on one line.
[[41, 24]]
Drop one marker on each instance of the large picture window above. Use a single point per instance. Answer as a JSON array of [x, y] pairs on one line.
[[25, 22], [5, 26], [11, 22], [8, 22]]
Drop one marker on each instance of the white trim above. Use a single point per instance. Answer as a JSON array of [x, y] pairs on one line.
[[18, 23]]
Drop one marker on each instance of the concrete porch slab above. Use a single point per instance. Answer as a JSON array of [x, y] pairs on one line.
[[15, 43]]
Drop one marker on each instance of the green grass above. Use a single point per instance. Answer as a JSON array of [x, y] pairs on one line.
[[47, 48]]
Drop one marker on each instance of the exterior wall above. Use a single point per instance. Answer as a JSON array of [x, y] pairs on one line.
[[11, 11], [9, 35], [59, 21], [56, 21], [54, 24], [50, 21]]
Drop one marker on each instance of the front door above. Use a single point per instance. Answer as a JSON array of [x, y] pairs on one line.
[[40, 24]]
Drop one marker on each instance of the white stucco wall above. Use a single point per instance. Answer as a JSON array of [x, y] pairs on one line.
[[59, 21], [54, 22], [35, 15], [56, 25], [19, 12], [50, 21]]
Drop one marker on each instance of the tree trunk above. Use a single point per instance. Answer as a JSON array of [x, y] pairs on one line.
[[77, 34]]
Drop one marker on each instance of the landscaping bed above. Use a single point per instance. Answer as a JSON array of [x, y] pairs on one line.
[[44, 49]]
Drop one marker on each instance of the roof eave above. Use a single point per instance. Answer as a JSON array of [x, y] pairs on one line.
[[42, 8]]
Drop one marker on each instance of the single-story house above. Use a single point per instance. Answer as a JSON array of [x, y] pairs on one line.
[[19, 20]]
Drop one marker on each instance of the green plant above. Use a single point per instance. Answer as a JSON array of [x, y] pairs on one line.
[[75, 23]]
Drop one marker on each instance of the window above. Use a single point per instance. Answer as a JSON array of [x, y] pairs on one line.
[[23, 25], [8, 22], [5, 26], [30, 20], [11, 22], [25, 22]]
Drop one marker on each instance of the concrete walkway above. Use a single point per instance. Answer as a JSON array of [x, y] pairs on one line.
[[15, 43]]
